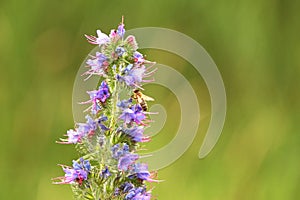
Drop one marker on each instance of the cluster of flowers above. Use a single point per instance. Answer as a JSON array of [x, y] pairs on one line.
[[108, 141]]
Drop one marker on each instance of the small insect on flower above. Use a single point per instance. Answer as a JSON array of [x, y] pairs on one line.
[[141, 99]]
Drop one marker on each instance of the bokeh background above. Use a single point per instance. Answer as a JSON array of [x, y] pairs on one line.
[[255, 44]]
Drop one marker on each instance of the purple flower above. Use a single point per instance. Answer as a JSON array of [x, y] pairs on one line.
[[126, 187], [100, 39], [139, 193], [98, 96], [120, 51], [133, 114], [128, 115], [100, 121], [85, 129], [138, 57], [98, 65], [122, 153], [101, 94], [113, 33], [140, 171], [95, 107], [101, 59], [88, 128], [119, 151], [82, 130], [128, 68], [126, 161], [82, 165], [70, 176], [132, 42], [142, 196], [117, 192], [105, 173], [136, 134], [90, 125], [73, 136], [135, 76], [124, 103], [78, 173], [121, 30]]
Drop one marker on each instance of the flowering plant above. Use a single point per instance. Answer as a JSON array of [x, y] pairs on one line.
[[109, 140]]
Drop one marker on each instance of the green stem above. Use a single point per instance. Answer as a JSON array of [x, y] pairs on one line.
[[96, 197], [115, 98]]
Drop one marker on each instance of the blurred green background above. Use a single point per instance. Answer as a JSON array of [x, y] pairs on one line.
[[255, 44]]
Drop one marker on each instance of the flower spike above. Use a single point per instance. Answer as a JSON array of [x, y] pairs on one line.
[[109, 140]]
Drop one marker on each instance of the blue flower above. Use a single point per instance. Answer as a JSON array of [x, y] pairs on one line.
[[100, 121], [132, 42], [126, 187], [98, 97], [121, 30], [113, 33], [140, 171], [101, 58], [133, 77], [73, 136], [85, 129], [138, 57], [101, 38], [138, 193], [142, 196], [82, 165], [77, 173], [120, 51], [98, 65], [82, 130], [90, 125], [126, 161], [133, 114], [117, 150], [70, 176], [101, 94], [135, 133], [124, 103], [105, 173], [128, 68]]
